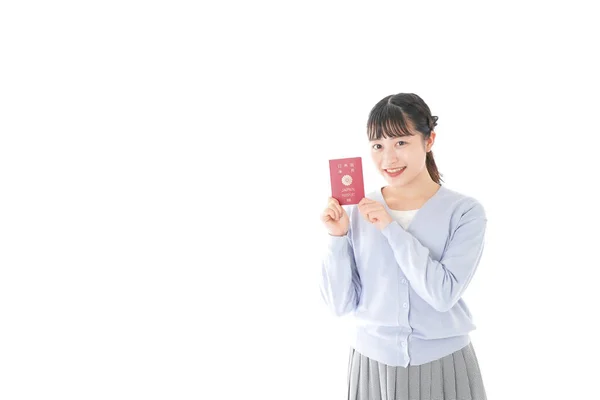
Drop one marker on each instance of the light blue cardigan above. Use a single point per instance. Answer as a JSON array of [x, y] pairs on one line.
[[403, 288]]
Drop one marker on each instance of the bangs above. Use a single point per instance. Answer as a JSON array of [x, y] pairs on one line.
[[387, 121]]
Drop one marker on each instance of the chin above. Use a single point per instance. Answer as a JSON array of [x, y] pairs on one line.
[[399, 181]]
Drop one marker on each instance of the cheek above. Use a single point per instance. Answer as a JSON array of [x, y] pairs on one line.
[[376, 157], [416, 159]]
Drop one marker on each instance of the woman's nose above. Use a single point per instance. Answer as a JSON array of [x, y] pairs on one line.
[[390, 157]]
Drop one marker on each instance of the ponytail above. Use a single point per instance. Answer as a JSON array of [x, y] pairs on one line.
[[432, 168]]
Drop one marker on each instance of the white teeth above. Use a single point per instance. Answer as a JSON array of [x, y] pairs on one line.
[[393, 171]]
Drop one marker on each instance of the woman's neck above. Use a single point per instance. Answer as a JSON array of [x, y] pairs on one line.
[[411, 196]]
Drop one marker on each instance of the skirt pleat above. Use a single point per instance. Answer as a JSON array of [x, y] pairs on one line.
[[437, 388], [401, 383], [456, 376]]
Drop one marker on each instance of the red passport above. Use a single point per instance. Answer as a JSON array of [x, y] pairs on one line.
[[347, 184]]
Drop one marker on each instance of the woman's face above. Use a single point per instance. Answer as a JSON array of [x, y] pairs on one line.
[[401, 159]]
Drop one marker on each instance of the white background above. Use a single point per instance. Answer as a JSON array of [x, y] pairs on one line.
[[163, 166]]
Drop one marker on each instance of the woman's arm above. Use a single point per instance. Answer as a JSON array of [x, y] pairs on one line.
[[441, 283], [340, 284]]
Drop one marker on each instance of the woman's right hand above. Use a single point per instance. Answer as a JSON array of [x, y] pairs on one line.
[[335, 218]]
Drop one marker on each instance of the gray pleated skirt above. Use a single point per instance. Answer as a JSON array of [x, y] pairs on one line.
[[454, 377]]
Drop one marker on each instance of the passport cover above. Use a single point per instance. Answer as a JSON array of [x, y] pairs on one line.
[[347, 184]]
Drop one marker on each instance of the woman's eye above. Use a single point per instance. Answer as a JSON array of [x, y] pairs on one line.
[[375, 146], [401, 143]]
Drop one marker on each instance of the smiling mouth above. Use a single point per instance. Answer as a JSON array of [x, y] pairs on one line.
[[393, 172]]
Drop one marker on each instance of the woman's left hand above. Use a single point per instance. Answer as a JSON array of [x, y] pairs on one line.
[[374, 212]]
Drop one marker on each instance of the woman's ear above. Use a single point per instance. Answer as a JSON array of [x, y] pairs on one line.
[[429, 142]]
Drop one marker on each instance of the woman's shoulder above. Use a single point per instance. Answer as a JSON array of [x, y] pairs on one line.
[[461, 202]]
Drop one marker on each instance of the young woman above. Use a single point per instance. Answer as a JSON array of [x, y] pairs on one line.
[[398, 263]]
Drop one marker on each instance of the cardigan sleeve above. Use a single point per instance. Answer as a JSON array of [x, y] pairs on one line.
[[441, 283], [340, 284]]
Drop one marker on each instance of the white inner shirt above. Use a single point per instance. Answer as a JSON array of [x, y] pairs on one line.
[[403, 217]]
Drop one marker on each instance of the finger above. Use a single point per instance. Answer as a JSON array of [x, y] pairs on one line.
[[373, 217], [367, 202], [340, 211], [335, 211], [368, 208], [366, 215], [328, 215], [333, 203], [361, 209], [333, 214], [371, 208], [337, 207]]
